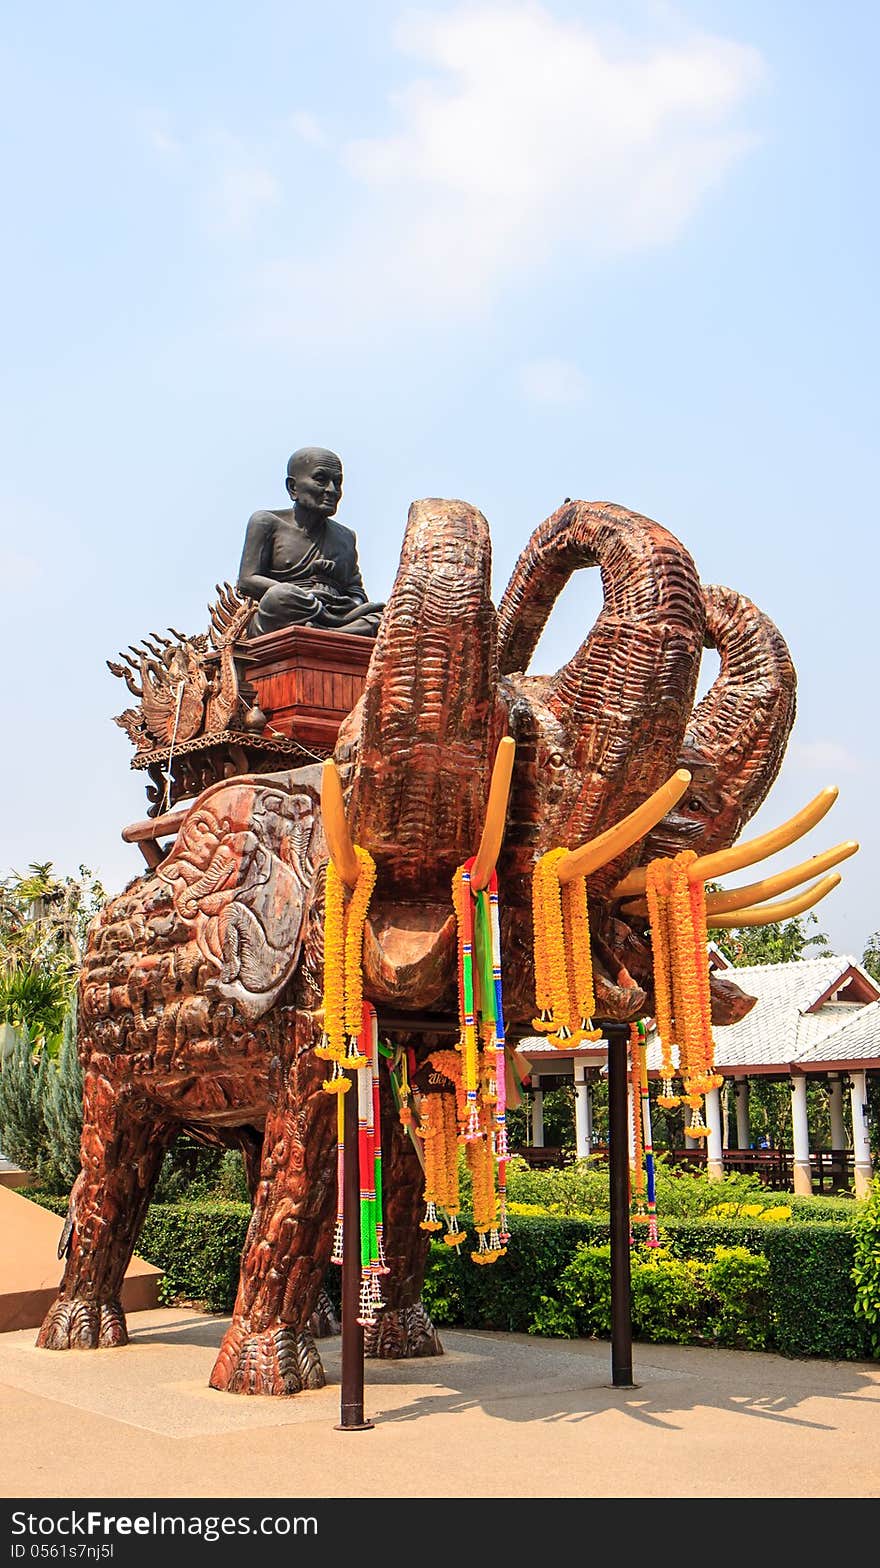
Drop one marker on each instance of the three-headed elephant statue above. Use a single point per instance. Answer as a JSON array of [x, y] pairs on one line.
[[202, 980]]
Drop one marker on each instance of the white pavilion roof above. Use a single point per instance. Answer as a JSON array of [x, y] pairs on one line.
[[780, 1030]]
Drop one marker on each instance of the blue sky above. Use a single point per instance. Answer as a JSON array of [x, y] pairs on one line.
[[506, 252]]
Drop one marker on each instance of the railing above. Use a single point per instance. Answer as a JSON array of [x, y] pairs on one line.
[[831, 1169]]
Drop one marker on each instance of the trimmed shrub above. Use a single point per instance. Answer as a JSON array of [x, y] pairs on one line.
[[739, 1286], [199, 1245], [866, 1269]]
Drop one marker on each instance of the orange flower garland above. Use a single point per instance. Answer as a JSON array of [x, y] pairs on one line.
[[657, 889], [563, 961], [677, 913], [485, 1198], [343, 970], [430, 1130], [639, 1205]]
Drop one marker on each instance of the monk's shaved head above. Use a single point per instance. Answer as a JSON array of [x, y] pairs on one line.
[[310, 457]]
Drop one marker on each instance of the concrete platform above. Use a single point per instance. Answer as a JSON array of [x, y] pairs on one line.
[[30, 1271], [498, 1415], [14, 1176]]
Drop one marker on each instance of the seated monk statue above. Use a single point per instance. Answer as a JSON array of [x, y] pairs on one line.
[[299, 564]]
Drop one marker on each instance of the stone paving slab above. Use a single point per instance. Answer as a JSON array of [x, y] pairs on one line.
[[503, 1414]]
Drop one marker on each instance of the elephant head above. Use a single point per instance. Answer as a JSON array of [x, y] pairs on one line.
[[447, 679]]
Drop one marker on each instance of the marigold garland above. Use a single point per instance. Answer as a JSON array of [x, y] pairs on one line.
[[644, 1185], [477, 1067], [677, 914], [343, 970], [639, 1205], [373, 1262], [564, 992]]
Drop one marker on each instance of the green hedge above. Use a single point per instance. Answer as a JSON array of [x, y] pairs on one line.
[[811, 1295]]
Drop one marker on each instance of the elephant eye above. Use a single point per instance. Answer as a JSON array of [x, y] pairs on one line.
[[695, 804], [556, 760]]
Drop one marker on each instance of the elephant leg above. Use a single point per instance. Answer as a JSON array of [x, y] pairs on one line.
[[121, 1151], [268, 1348], [403, 1329]]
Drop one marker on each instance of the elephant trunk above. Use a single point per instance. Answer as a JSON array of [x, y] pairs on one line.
[[418, 749], [608, 727], [736, 738]]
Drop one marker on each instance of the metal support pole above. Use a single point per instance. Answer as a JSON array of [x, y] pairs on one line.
[[618, 1161], [351, 1416]]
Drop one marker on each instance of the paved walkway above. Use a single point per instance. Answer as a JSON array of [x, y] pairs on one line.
[[539, 1414]]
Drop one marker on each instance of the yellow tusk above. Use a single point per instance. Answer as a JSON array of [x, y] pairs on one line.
[[708, 867], [727, 899], [336, 826], [766, 914], [486, 857], [589, 857], [740, 855]]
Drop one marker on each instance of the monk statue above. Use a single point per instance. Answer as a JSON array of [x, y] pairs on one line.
[[299, 564]]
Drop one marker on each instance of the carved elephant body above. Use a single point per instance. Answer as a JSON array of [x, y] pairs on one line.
[[201, 981]]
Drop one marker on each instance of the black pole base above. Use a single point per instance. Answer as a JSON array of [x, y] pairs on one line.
[[353, 1426]]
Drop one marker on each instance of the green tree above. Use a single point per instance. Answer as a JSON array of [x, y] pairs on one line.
[[871, 956], [774, 943], [43, 924], [62, 1109], [22, 1093]]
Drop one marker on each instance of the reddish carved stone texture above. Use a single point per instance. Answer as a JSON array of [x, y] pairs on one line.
[[201, 981]]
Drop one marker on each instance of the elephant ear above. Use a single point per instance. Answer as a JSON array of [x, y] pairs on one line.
[[242, 875]]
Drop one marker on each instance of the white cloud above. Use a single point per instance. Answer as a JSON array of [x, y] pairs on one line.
[[829, 756], [521, 139], [308, 127], [242, 188], [530, 137], [552, 381]]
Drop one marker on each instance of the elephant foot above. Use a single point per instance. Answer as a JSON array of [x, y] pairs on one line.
[[73, 1323], [277, 1360], [402, 1334], [323, 1321]]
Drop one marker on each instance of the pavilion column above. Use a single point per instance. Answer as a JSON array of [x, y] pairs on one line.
[[835, 1106], [583, 1111], [631, 1132], [741, 1091], [803, 1180], [537, 1112], [714, 1152], [861, 1144]]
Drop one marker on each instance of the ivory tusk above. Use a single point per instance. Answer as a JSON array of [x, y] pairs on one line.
[[748, 854], [589, 857], [766, 914], [336, 825], [486, 857], [728, 899]]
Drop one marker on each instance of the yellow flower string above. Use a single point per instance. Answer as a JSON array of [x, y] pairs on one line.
[[563, 961], [543, 985], [343, 970], [576, 921], [454, 1235], [467, 1042], [639, 1205], [430, 1130], [657, 888], [677, 913], [485, 1198]]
